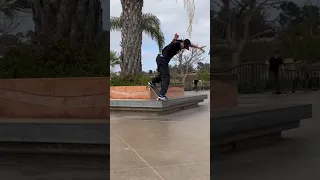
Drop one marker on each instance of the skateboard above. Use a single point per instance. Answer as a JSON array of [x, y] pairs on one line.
[[156, 91]]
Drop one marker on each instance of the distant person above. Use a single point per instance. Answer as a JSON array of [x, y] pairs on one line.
[[274, 64], [195, 84], [163, 60]]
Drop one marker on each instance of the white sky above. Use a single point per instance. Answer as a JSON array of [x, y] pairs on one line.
[[174, 19]]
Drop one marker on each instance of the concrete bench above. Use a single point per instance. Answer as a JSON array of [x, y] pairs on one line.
[[157, 107], [236, 127], [55, 138]]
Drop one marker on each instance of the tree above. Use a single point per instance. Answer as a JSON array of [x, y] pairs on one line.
[[8, 9], [76, 21], [131, 32], [203, 66], [291, 15], [114, 58], [298, 38], [235, 22], [203, 71], [7, 25], [151, 26], [186, 60]]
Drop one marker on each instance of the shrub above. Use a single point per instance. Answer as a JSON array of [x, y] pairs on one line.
[[137, 80], [53, 60]]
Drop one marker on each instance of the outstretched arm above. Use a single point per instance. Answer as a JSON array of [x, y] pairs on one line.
[[197, 47]]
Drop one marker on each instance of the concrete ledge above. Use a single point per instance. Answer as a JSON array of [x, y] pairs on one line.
[[231, 126], [158, 107], [55, 148], [55, 133], [55, 138]]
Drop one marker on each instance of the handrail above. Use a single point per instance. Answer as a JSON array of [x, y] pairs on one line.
[[254, 77]]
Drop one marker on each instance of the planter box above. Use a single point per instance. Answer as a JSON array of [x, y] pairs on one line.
[[142, 92], [224, 91], [55, 98]]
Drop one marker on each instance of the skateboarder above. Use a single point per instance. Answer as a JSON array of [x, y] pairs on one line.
[[163, 60], [274, 65]]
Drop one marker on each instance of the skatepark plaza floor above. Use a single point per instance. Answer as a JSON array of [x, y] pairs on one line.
[[169, 147]]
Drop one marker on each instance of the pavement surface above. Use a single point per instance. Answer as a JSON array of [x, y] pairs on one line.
[[177, 147], [52, 167], [170, 147], [295, 158]]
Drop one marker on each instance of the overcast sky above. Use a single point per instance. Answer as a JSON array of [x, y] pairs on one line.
[[174, 19]]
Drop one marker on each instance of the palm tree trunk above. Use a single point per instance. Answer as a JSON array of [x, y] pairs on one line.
[[76, 20], [131, 33]]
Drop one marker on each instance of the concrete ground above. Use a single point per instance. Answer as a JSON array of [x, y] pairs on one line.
[[18, 166], [170, 147], [176, 147], [52, 167], [295, 158]]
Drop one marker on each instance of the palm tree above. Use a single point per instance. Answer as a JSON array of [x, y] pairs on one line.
[[79, 21], [114, 58], [10, 7], [151, 26], [131, 33], [8, 10]]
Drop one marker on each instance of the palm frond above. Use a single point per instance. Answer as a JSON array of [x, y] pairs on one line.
[[115, 23], [114, 58], [190, 6], [151, 25], [10, 7]]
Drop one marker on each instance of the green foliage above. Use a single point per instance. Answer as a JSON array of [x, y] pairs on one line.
[[151, 25], [300, 45], [134, 80], [204, 75], [114, 58], [54, 59]]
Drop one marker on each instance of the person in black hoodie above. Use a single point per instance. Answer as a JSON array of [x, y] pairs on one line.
[[274, 65], [163, 60]]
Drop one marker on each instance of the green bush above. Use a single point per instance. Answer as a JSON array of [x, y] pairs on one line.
[[53, 60], [138, 80], [203, 75]]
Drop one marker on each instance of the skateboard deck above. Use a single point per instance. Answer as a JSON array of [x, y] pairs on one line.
[[155, 90]]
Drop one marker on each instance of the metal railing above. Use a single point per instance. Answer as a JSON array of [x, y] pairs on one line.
[[255, 78]]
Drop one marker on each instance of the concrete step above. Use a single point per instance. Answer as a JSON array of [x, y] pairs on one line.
[[157, 107], [235, 125], [55, 138]]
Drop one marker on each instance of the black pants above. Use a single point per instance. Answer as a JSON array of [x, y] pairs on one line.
[[196, 86], [164, 75], [276, 80]]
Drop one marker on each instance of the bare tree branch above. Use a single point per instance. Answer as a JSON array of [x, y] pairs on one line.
[[184, 60], [239, 20]]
